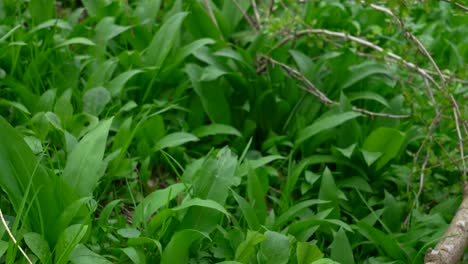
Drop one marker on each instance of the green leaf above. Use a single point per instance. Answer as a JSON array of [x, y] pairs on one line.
[[364, 70], [106, 212], [177, 251], [164, 41], [135, 255], [155, 201], [323, 124], [19, 169], [129, 232], [84, 166], [370, 157], [212, 96], [368, 95], [75, 41], [67, 242], [246, 248], [307, 253], [341, 249], [383, 242], [3, 247], [275, 248], [347, 152], [385, 140], [38, 246], [255, 164], [294, 210], [41, 10], [190, 48], [83, 255], [202, 203], [95, 100], [211, 182], [117, 84], [247, 211], [147, 10], [216, 129], [328, 192], [175, 139]]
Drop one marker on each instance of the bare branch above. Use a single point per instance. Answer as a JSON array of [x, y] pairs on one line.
[[246, 16], [312, 89], [455, 240], [462, 7]]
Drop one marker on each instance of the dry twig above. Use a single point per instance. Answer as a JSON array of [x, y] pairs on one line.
[[12, 237], [312, 89]]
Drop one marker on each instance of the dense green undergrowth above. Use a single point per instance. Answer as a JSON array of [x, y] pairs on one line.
[[231, 131]]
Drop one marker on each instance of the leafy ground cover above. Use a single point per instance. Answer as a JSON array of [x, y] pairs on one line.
[[234, 131]]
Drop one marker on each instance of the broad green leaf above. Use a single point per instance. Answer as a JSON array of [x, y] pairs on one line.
[[106, 30], [177, 251], [75, 41], [275, 248], [117, 84], [41, 10], [190, 48], [106, 212], [94, 6], [155, 201], [84, 166], [341, 249], [202, 203], [95, 100], [164, 41], [297, 227], [364, 70], [257, 189], [323, 124], [129, 232], [3, 247], [247, 211], [328, 192], [247, 248], [307, 253], [294, 210], [385, 140], [75, 210], [16, 105], [312, 160], [212, 96], [175, 139], [56, 23], [255, 164], [147, 10], [370, 157], [216, 129], [38, 246], [368, 95], [382, 241], [67, 242], [355, 182], [19, 169], [325, 261], [211, 73], [347, 152], [83, 255], [211, 181], [137, 256]]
